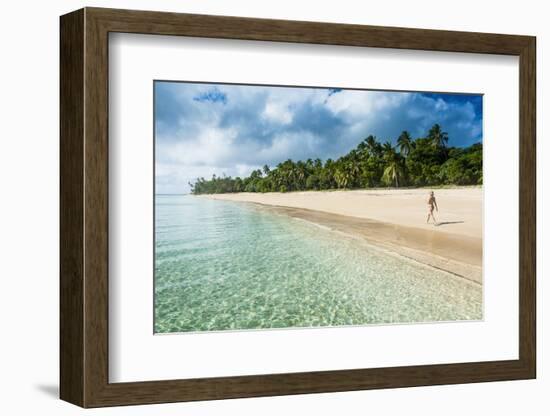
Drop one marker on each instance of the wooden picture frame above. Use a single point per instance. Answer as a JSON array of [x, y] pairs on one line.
[[84, 207]]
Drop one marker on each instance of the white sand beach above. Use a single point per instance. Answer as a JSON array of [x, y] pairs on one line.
[[459, 208], [395, 219]]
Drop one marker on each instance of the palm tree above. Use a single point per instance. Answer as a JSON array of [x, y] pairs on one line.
[[278, 180], [256, 174], [372, 144], [342, 177], [318, 164], [405, 142], [388, 149], [300, 174], [352, 169], [395, 169], [438, 137], [393, 172], [266, 170]]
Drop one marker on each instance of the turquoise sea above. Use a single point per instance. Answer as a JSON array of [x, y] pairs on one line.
[[223, 265]]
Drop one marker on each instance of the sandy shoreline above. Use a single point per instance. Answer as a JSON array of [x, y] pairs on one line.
[[394, 220]]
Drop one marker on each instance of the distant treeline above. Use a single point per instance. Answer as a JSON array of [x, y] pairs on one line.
[[412, 162]]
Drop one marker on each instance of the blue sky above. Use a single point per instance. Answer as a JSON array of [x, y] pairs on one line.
[[205, 129]]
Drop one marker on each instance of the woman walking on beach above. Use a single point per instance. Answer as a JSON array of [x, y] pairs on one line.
[[431, 204]]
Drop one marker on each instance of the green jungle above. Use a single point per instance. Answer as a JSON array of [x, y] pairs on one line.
[[426, 161]]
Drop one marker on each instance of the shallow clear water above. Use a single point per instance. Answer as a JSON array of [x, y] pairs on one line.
[[227, 265]]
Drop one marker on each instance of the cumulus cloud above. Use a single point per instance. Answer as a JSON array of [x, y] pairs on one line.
[[205, 129]]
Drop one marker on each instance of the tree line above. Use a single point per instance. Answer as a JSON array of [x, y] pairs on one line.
[[426, 161]]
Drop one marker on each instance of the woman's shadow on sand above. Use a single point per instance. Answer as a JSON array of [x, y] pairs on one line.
[[448, 222]]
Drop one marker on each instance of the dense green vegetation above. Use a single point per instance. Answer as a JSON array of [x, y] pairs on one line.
[[412, 162]]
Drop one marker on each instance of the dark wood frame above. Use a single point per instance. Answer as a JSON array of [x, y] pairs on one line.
[[84, 207]]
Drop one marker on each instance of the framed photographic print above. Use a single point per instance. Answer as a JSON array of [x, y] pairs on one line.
[[255, 207]]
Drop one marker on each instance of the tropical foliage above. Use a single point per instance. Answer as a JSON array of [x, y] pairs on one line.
[[424, 161]]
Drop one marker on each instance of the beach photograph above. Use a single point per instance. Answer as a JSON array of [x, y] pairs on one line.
[[280, 207]]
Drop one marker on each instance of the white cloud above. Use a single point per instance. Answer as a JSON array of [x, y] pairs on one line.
[[212, 145], [277, 112], [353, 104]]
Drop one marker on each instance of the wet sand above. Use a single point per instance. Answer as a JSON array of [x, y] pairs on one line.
[[394, 220]]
